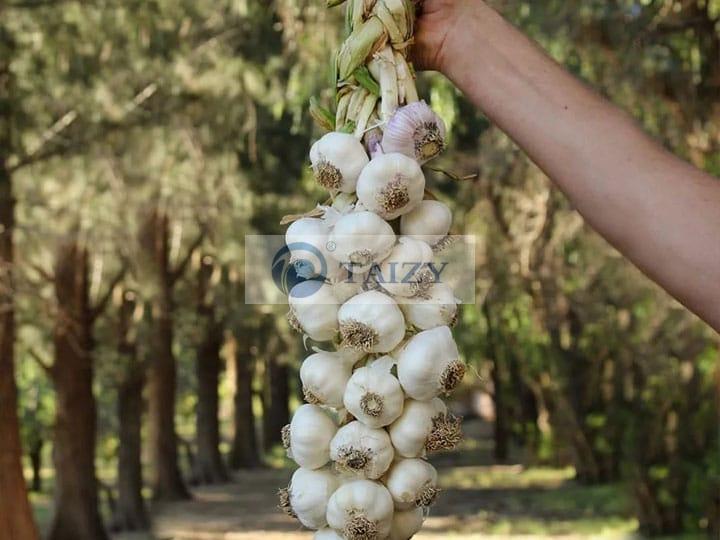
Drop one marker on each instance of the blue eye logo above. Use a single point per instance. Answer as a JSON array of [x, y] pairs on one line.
[[297, 263]]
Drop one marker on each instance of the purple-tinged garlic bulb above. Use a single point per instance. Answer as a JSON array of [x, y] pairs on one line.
[[415, 131]]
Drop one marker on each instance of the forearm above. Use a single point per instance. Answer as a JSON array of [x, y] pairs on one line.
[[660, 212]]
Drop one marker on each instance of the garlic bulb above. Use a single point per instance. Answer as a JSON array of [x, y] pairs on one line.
[[374, 396], [324, 376], [439, 308], [360, 450], [430, 364], [327, 534], [412, 483], [308, 436], [391, 185], [429, 221], [371, 322], [361, 510], [424, 426], [337, 160], [415, 131], [361, 239], [313, 310], [307, 496], [307, 240], [406, 523], [351, 285], [405, 272]]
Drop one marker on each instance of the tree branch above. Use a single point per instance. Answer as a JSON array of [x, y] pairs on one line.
[[100, 307], [180, 269], [43, 363]]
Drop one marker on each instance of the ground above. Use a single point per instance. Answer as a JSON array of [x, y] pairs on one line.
[[480, 500]]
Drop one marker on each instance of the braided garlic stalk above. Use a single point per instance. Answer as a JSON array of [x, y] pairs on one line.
[[374, 410]]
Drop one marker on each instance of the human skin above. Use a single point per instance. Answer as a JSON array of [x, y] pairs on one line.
[[660, 212]]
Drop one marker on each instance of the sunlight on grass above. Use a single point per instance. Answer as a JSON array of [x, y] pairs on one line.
[[504, 477]]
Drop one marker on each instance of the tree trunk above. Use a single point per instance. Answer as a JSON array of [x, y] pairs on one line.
[[35, 455], [209, 466], [244, 452], [16, 519], [77, 514], [167, 481], [130, 513], [276, 409], [501, 433]]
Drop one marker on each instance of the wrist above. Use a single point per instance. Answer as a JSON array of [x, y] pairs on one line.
[[463, 38]]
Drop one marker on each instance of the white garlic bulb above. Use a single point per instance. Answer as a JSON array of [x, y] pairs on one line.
[[439, 308], [361, 239], [374, 396], [430, 364], [371, 322], [412, 482], [406, 523], [313, 310], [324, 376], [307, 496], [337, 160], [415, 131], [424, 426], [351, 285], [307, 240], [361, 510], [391, 185], [327, 534], [360, 450], [429, 221], [308, 436], [405, 271]]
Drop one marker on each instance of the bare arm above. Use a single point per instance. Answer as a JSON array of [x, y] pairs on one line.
[[660, 212]]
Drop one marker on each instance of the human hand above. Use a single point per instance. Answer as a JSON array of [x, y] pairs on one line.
[[439, 30]]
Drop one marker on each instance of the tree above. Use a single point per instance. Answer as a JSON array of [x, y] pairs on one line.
[[130, 513], [77, 513], [209, 466], [16, 520], [167, 479]]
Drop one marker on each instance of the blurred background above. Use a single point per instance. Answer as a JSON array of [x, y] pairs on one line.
[[140, 140]]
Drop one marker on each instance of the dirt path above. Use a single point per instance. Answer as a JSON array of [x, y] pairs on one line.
[[479, 500], [246, 509]]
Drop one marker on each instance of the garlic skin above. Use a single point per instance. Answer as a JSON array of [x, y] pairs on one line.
[[325, 375], [429, 221], [307, 496], [307, 240], [424, 426], [404, 272], [360, 450], [430, 364], [337, 160], [361, 239], [440, 308], [415, 131], [391, 185], [308, 437], [412, 483], [406, 523], [313, 310], [361, 510], [327, 534], [374, 396], [371, 322]]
